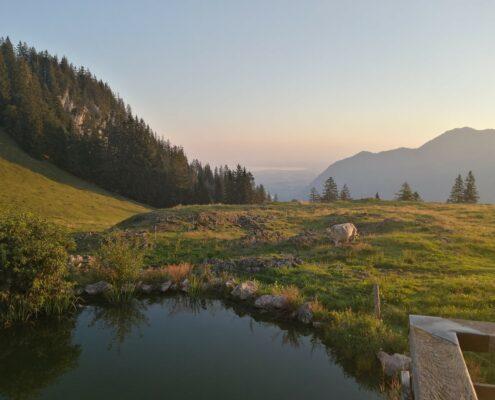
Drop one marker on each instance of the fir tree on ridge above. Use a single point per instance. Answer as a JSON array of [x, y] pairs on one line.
[[345, 193], [470, 190], [457, 191], [330, 191], [314, 196]]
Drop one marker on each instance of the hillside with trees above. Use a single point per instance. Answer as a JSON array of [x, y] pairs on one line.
[[65, 115]]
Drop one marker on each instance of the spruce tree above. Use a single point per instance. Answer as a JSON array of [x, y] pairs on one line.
[[314, 196], [457, 192], [405, 193], [345, 193], [377, 196], [470, 191], [330, 190]]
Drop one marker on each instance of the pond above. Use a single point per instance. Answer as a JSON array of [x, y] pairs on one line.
[[174, 348]]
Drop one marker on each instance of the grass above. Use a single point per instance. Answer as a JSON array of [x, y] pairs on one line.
[[40, 187], [432, 259]]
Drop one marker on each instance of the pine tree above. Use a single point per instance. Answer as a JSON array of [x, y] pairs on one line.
[[457, 192], [275, 198], [345, 193], [417, 197], [405, 193], [330, 190], [377, 196], [314, 196], [470, 191]]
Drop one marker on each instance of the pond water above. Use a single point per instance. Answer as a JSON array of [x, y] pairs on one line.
[[175, 348]]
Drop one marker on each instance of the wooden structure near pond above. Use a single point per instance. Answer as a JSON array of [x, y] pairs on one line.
[[439, 371]]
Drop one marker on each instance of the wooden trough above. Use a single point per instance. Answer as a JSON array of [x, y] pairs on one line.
[[439, 371]]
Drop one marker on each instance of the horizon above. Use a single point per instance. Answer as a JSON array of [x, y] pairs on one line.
[[290, 87]]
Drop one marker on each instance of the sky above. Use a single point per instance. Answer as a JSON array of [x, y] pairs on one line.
[[280, 84]]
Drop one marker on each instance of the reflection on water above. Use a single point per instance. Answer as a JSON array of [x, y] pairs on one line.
[[33, 356], [179, 346]]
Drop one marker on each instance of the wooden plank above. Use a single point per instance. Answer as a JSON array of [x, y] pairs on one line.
[[438, 368], [476, 342], [484, 391]]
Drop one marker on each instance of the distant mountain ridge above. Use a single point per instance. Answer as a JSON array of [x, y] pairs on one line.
[[429, 169]]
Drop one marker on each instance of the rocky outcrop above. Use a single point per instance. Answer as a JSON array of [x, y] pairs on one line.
[[269, 302], [245, 290], [304, 239], [254, 264], [393, 364], [98, 288]]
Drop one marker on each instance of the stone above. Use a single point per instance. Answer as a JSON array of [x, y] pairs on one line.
[[184, 286], [394, 364], [304, 313], [230, 284], [97, 288], [245, 290], [145, 288], [165, 286], [268, 301]]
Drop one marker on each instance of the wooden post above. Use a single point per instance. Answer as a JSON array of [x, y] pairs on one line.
[[376, 299]]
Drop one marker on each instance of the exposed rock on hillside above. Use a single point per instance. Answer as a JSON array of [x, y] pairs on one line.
[[254, 264]]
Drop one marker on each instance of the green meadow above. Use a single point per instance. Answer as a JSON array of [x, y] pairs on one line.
[[430, 259], [38, 186]]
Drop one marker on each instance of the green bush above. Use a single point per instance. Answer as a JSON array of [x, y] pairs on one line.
[[33, 268], [356, 339], [120, 262]]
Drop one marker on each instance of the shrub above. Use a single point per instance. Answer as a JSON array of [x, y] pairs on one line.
[[33, 267], [291, 292], [154, 275], [120, 262], [356, 339], [178, 272]]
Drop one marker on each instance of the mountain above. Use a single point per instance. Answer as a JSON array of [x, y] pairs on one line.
[[65, 115], [429, 169], [38, 186]]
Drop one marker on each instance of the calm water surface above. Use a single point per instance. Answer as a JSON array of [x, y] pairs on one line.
[[173, 349]]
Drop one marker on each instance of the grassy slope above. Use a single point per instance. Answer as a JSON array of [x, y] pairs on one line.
[[432, 259], [32, 185]]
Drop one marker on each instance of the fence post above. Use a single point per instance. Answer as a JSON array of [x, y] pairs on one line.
[[376, 299]]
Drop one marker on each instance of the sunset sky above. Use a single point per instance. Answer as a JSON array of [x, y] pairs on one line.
[[280, 83]]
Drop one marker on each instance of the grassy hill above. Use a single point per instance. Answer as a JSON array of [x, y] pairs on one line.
[[38, 186], [429, 258]]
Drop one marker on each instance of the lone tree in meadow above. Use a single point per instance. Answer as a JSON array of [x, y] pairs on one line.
[[345, 193], [457, 191], [377, 196], [470, 191], [314, 196], [406, 194], [330, 191]]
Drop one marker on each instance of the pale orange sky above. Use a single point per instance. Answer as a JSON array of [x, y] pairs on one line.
[[280, 83]]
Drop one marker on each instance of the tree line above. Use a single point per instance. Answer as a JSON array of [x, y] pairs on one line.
[[67, 116], [463, 191]]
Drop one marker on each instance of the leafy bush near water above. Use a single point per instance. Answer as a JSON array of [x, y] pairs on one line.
[[33, 268], [120, 262]]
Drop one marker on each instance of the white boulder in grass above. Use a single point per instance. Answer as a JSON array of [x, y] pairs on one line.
[[394, 364]]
